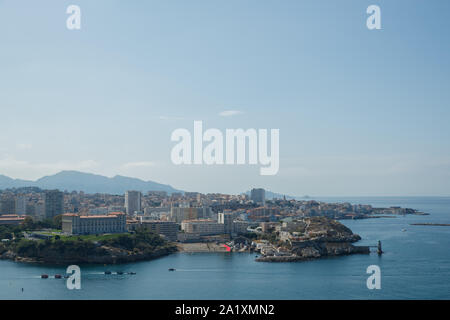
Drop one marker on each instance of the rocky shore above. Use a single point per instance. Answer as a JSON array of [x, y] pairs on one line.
[[109, 256], [311, 238], [316, 251], [122, 248]]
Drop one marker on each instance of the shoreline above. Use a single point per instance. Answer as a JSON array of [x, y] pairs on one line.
[[296, 258], [431, 224], [200, 247], [98, 260]]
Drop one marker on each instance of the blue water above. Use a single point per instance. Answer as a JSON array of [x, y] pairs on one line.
[[416, 265]]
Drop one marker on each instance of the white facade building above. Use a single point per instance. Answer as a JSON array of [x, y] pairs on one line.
[[94, 224]]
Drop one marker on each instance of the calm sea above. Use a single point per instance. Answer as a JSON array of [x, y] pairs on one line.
[[416, 265]]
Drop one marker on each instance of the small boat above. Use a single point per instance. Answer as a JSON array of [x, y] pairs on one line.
[[403, 230], [120, 272], [66, 276], [172, 269], [58, 276], [44, 276], [133, 273], [107, 272]]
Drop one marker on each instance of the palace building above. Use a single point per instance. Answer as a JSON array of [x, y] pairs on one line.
[[114, 222]]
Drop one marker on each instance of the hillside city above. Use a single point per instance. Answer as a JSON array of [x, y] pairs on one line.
[[178, 217]]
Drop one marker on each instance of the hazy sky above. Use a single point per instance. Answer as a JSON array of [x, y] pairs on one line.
[[360, 112]]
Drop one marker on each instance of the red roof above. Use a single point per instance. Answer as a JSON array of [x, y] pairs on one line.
[[109, 215]]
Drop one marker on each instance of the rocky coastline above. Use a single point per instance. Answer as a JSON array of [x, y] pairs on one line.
[[311, 238], [110, 256], [316, 251], [64, 250]]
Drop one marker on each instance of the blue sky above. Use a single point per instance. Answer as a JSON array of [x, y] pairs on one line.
[[360, 112]]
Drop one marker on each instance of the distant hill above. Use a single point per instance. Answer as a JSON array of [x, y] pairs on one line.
[[87, 182], [272, 195], [12, 183]]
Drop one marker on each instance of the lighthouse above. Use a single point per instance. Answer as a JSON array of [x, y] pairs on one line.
[[379, 250]]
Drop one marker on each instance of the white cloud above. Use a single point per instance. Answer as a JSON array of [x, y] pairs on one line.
[[230, 113]]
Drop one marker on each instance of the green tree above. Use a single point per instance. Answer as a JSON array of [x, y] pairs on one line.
[[28, 224], [57, 222]]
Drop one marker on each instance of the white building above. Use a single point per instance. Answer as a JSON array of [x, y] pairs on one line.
[[226, 218], [179, 214], [203, 227], [76, 224]]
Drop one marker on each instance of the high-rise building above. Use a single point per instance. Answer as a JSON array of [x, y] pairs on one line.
[[7, 205], [21, 205], [54, 203], [258, 196], [30, 210], [226, 218], [133, 202], [39, 210]]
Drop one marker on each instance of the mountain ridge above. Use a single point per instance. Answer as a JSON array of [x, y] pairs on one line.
[[91, 183], [87, 182]]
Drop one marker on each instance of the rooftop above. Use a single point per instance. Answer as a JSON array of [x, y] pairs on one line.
[[104, 216]]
